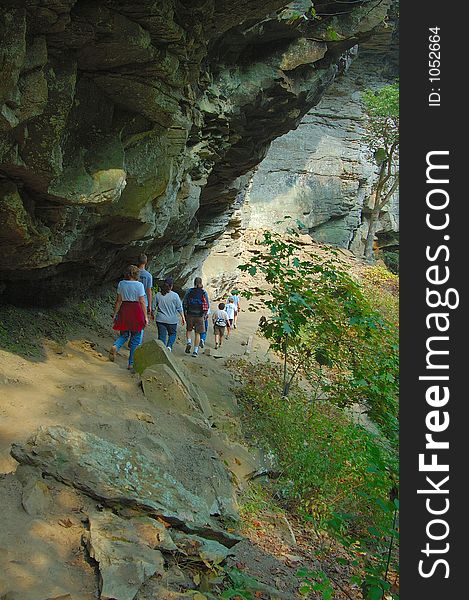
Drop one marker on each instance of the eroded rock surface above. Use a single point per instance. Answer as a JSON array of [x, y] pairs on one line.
[[155, 352], [128, 128], [115, 475], [322, 173], [125, 558]]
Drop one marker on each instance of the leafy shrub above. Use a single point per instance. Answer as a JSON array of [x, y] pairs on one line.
[[329, 465], [333, 471], [326, 328]]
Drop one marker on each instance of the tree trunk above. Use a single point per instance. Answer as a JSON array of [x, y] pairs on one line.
[[286, 385], [371, 234]]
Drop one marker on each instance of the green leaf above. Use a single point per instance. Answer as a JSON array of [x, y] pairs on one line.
[[380, 156], [374, 593]]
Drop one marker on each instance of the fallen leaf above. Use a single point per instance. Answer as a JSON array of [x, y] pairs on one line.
[[66, 522]]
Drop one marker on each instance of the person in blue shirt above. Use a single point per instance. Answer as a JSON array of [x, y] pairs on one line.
[[196, 305]]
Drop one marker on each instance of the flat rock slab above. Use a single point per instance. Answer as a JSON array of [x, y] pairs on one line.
[[210, 552], [126, 558], [163, 387], [155, 353], [112, 474]]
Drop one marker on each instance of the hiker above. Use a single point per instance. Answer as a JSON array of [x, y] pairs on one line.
[[196, 306], [230, 309], [221, 322], [147, 280], [168, 308], [237, 304], [130, 314]]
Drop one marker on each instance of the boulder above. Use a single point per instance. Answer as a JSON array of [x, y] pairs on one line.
[[120, 476], [162, 386], [210, 552], [125, 559], [154, 353]]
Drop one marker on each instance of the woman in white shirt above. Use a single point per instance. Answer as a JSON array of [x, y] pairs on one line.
[[130, 314], [169, 310]]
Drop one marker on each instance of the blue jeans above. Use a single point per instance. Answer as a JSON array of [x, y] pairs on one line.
[[167, 333], [136, 338], [203, 335]]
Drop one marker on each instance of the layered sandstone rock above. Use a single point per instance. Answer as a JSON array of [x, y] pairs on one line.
[[322, 173], [128, 128]]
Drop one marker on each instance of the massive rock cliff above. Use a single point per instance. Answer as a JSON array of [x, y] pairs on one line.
[[322, 173], [128, 127]]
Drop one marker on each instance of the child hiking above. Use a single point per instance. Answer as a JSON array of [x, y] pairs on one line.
[[230, 309], [221, 322], [196, 306], [236, 302]]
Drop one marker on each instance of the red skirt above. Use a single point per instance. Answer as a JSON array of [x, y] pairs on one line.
[[130, 317]]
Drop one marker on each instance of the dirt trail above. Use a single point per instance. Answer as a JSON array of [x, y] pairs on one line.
[[75, 385]]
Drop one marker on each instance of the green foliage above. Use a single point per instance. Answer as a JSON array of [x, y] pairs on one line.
[[381, 288], [377, 550], [237, 593], [329, 465], [316, 581], [383, 103], [342, 337], [334, 472], [324, 326], [332, 35], [244, 586], [382, 139], [254, 500]]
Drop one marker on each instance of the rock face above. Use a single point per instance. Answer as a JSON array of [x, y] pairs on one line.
[[321, 173], [128, 128], [125, 559], [150, 357], [120, 477]]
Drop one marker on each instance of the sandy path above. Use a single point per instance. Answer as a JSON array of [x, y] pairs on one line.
[[76, 385]]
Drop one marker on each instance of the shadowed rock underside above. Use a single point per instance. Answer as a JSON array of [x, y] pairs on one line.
[[129, 127]]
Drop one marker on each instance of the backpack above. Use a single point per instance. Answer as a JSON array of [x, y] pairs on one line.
[[220, 321], [196, 302]]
